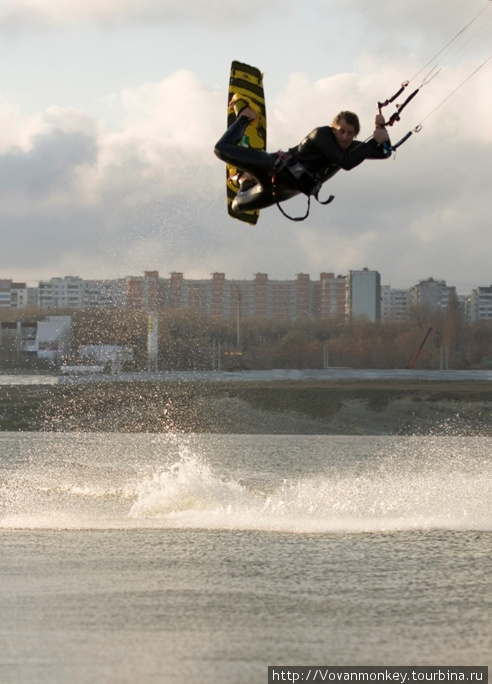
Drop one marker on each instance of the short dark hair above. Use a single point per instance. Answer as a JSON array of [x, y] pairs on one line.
[[351, 118]]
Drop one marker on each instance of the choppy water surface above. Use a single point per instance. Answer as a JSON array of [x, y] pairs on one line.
[[137, 558]]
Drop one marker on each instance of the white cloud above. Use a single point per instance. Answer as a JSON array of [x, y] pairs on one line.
[[147, 192], [60, 13], [78, 192], [420, 19], [17, 130]]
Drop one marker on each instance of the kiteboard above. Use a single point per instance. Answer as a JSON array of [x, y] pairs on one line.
[[245, 83]]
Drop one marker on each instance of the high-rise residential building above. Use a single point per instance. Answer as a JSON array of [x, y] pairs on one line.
[[358, 294], [262, 297], [431, 293], [222, 298], [332, 296], [5, 293], [18, 296], [62, 293], [364, 295], [261, 294], [13, 295], [103, 294], [480, 304], [394, 304], [147, 292], [304, 296]]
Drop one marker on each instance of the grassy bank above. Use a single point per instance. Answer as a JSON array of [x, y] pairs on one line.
[[310, 407]]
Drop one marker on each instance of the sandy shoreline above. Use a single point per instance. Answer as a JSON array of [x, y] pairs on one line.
[[310, 407]]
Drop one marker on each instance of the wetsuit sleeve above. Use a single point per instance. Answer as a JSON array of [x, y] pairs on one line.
[[379, 152], [323, 141]]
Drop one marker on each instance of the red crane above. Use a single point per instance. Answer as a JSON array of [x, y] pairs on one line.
[[417, 353]]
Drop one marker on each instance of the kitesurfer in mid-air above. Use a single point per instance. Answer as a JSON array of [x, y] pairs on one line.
[[267, 178]]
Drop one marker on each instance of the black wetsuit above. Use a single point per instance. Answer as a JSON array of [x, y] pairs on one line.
[[303, 169]]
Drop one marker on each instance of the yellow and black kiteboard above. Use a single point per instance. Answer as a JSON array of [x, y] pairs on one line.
[[245, 83]]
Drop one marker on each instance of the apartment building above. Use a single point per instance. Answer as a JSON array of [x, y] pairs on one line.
[[13, 295], [102, 294], [72, 292], [330, 296], [430, 293], [364, 295], [62, 293], [222, 298], [479, 304], [5, 293], [394, 304]]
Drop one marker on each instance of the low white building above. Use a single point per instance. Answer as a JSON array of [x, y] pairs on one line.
[[113, 357], [53, 337], [49, 339]]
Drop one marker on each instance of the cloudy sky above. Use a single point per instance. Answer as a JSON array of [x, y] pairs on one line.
[[109, 111]]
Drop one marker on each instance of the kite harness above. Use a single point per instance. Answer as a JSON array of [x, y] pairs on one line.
[[308, 183]]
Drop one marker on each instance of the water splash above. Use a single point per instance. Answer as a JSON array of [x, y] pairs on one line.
[[190, 494], [301, 485], [188, 485]]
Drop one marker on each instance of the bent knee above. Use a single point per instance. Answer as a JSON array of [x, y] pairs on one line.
[[218, 151]]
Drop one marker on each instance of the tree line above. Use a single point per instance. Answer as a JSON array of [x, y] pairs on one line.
[[189, 340]]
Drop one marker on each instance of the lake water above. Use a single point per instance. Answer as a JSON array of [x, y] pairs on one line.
[[173, 559]]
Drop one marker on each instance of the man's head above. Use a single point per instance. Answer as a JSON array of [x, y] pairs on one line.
[[345, 127]]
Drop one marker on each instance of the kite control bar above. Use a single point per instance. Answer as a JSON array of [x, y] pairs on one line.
[[396, 116], [399, 107]]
